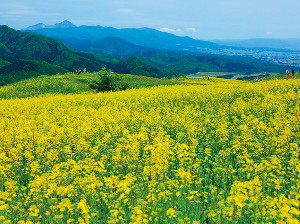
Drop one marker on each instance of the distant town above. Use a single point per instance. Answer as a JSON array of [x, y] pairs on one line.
[[277, 56]]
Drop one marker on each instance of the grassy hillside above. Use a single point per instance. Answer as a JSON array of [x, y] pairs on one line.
[[223, 152], [72, 83]]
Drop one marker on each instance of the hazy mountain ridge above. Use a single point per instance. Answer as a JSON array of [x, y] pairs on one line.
[[108, 45], [157, 39], [146, 37], [64, 24]]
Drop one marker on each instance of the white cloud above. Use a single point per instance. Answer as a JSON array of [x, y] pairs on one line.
[[168, 30], [192, 29], [16, 10], [125, 10], [269, 33], [20, 12]]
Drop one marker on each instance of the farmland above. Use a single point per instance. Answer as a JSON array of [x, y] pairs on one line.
[[204, 151]]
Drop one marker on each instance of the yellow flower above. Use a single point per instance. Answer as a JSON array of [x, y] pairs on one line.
[[171, 213]]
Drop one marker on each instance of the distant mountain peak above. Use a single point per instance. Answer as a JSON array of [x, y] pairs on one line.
[[36, 26], [64, 24]]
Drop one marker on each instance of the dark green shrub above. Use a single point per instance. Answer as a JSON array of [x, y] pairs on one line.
[[108, 81], [124, 86]]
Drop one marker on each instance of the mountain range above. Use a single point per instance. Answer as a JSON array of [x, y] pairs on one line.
[[145, 37], [24, 54], [182, 55], [155, 39], [64, 24]]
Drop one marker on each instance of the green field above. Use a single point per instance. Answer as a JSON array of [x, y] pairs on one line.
[[71, 83]]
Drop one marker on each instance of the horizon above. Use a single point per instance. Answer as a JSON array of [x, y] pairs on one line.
[[204, 19], [254, 38]]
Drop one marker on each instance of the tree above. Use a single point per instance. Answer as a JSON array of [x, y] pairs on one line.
[[108, 81]]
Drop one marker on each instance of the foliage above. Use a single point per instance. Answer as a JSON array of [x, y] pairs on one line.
[[215, 151], [3, 63], [193, 63], [135, 66], [108, 81], [24, 69]]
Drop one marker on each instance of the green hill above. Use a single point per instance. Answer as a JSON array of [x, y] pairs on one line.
[[71, 83], [38, 47], [4, 49], [171, 62], [109, 45], [189, 64], [135, 66]]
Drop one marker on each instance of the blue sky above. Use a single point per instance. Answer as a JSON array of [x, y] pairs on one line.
[[201, 19]]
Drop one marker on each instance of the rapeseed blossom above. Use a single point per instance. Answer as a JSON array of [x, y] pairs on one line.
[[223, 152]]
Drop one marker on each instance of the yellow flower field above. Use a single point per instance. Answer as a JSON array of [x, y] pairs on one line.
[[216, 152]]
